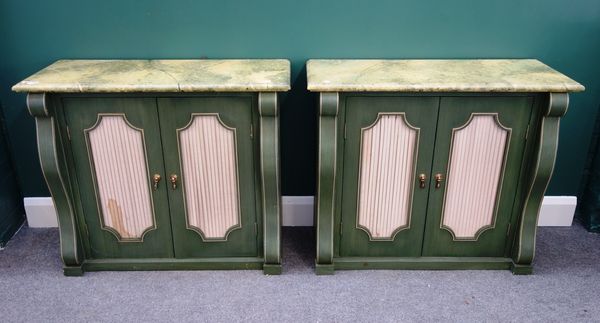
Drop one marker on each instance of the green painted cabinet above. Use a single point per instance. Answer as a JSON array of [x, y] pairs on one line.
[[433, 164], [177, 171]]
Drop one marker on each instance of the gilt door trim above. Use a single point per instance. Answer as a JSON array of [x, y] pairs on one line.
[[135, 200], [390, 190], [187, 185], [451, 203]]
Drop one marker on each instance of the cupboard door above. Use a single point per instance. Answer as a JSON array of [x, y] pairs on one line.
[[389, 143], [208, 146], [478, 153], [116, 150]]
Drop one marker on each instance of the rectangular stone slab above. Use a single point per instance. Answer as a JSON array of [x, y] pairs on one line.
[[468, 75], [102, 76]]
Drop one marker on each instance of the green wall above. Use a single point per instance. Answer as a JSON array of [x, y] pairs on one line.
[[563, 34]]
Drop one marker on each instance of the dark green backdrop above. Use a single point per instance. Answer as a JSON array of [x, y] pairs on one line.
[[564, 34]]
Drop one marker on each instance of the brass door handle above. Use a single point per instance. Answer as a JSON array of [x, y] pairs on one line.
[[173, 179], [422, 179], [156, 178], [438, 180]]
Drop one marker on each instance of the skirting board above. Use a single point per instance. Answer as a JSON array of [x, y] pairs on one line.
[[298, 211]]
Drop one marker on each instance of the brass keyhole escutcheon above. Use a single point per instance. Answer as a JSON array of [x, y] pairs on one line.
[[422, 179], [173, 179], [156, 178], [438, 180]]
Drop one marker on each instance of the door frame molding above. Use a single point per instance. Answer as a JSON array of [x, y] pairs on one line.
[[103, 226], [500, 184], [237, 177], [412, 176]]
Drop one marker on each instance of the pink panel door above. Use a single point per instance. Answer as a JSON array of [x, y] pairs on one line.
[[388, 145], [116, 151], [478, 152]]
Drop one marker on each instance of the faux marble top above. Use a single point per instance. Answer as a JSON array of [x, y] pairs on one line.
[[480, 75], [231, 75]]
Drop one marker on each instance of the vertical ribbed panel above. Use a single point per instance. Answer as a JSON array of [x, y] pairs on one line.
[[388, 153], [118, 158], [209, 169], [475, 169]]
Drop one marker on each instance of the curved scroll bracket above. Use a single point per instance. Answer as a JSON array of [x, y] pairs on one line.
[[326, 167], [543, 167], [52, 163], [268, 108]]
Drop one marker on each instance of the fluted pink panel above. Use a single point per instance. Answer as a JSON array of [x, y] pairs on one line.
[[119, 161], [209, 167], [474, 175], [388, 153]]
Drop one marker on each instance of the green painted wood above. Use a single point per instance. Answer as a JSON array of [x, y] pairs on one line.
[[513, 113], [423, 263], [81, 114], [539, 177], [268, 107], [235, 112], [216, 263], [52, 159], [61, 119], [326, 177], [361, 113], [527, 171]]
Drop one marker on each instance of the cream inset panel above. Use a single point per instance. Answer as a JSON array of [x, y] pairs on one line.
[[210, 180], [477, 155], [118, 160], [387, 167]]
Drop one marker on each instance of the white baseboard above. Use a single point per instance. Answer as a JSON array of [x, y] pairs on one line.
[[298, 211], [40, 212], [557, 211]]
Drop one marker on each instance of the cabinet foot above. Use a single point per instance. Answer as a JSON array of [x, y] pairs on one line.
[[272, 269], [73, 271], [324, 269], [521, 269]]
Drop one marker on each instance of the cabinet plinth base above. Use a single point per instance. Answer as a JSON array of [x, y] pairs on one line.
[[73, 271], [324, 269], [127, 264], [422, 263], [272, 269], [521, 269]]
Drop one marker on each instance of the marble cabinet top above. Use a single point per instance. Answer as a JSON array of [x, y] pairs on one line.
[[460, 75], [230, 75]]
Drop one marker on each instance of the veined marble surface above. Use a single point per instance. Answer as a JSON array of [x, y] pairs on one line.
[[230, 75], [460, 75]]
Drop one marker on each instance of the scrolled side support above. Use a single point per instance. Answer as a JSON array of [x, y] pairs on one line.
[[50, 162], [524, 250], [269, 170], [327, 161]]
